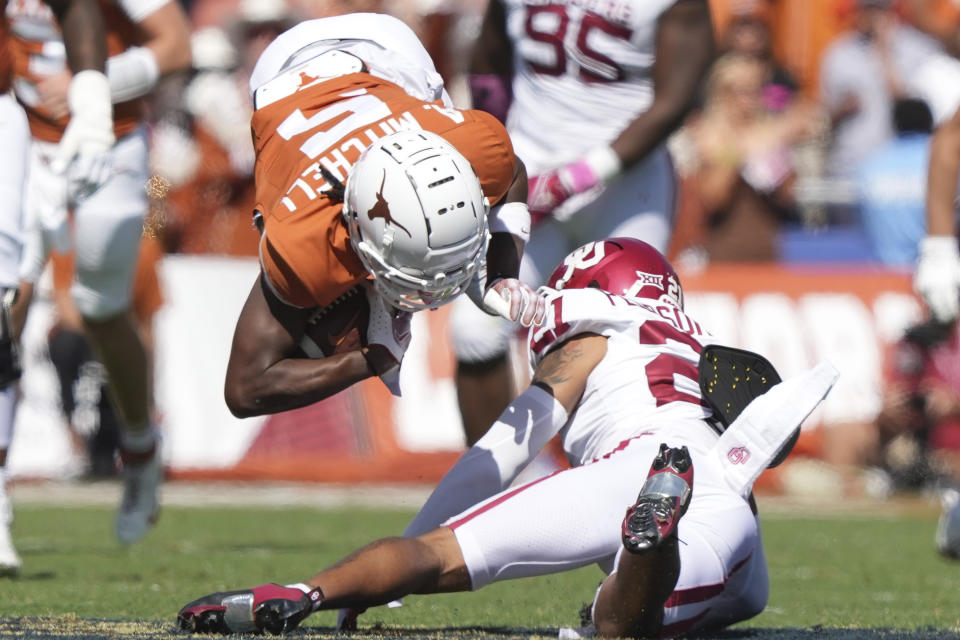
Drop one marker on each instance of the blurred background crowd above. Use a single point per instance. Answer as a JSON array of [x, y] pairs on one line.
[[809, 143], [811, 130]]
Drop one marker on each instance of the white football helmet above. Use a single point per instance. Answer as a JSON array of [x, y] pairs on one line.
[[417, 218]]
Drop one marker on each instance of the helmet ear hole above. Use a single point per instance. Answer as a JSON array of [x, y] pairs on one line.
[[417, 218]]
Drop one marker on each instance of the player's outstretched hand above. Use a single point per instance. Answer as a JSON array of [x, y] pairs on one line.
[[937, 278], [270, 607], [516, 301]]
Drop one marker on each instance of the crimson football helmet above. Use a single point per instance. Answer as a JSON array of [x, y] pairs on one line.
[[623, 266]]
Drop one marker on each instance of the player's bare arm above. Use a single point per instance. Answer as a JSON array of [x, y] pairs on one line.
[[265, 373], [167, 34], [492, 51], [942, 181], [563, 372], [937, 277], [506, 249], [78, 19], [684, 50], [505, 294], [491, 64]]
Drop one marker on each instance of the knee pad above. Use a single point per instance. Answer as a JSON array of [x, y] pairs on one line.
[[475, 335]]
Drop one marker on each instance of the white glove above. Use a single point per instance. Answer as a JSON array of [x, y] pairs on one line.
[[388, 328], [515, 301], [84, 151], [937, 277]]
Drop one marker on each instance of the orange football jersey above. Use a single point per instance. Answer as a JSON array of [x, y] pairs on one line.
[[6, 55], [32, 61], [305, 250]]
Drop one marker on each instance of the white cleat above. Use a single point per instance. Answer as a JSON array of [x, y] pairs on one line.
[[140, 506], [947, 538], [9, 560]]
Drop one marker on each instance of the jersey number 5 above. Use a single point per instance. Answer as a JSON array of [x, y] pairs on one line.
[[662, 371]]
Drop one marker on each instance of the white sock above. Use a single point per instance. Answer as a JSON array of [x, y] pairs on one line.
[[6, 505], [8, 406]]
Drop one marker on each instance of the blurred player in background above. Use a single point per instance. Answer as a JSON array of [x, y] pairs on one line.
[[411, 213], [201, 148], [589, 94], [937, 277], [82, 151], [616, 364], [862, 72], [937, 280], [146, 39]]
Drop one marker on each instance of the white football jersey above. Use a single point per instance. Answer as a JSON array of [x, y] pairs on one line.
[[646, 382], [388, 47], [582, 73]]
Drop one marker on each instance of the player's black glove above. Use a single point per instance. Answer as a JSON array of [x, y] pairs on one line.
[[269, 607]]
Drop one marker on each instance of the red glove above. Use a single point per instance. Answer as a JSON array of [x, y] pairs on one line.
[[547, 191]]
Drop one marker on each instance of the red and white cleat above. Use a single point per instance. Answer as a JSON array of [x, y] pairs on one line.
[[270, 607], [662, 501]]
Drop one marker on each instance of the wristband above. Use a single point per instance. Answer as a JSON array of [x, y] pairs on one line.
[[132, 73], [512, 218], [604, 162], [88, 95], [939, 246]]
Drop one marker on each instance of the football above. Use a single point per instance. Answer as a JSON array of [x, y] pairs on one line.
[[339, 327]]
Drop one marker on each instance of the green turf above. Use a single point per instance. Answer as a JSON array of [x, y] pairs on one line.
[[837, 572]]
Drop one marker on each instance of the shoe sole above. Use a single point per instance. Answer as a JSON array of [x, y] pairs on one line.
[[640, 530]]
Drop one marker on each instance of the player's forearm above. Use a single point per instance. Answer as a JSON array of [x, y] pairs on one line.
[[169, 38], [942, 179], [503, 256], [492, 51], [82, 24], [509, 229], [684, 52], [649, 130], [293, 383]]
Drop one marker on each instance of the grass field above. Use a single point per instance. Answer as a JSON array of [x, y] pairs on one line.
[[832, 574]]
